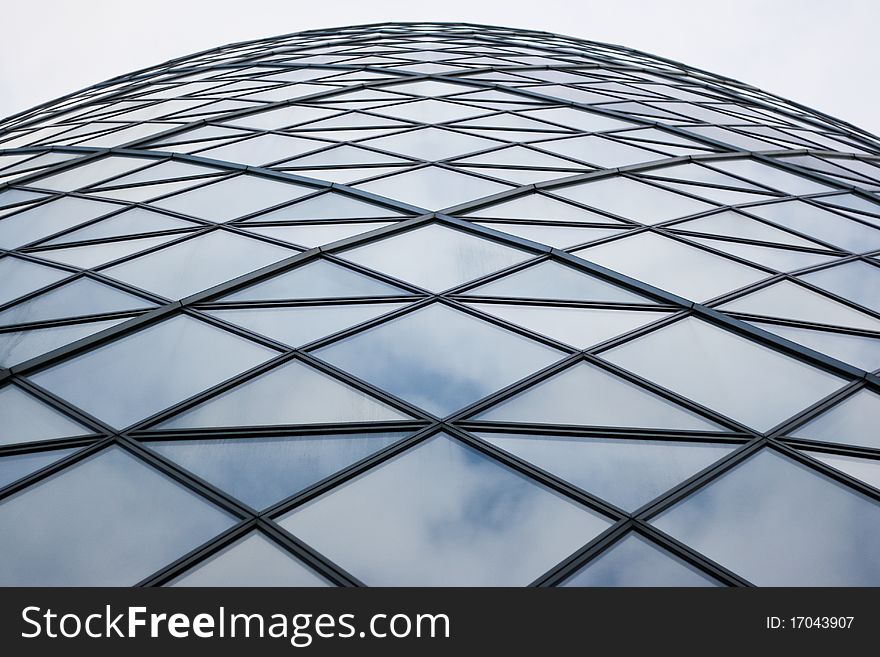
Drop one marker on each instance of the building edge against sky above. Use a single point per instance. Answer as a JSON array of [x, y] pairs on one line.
[[437, 304]]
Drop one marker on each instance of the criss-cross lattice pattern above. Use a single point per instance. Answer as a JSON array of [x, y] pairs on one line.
[[433, 304]]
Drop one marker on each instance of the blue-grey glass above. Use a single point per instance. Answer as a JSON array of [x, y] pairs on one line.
[[442, 514], [537, 206], [551, 280], [138, 521], [636, 561], [16, 466], [196, 264], [744, 380], [431, 143], [90, 173], [436, 257], [783, 260], [49, 218], [859, 350], [627, 473], [327, 206], [26, 419], [587, 395], [81, 297], [292, 393], [863, 469], [21, 277], [852, 422], [735, 224], [19, 346], [262, 150], [438, 359], [315, 235], [433, 188], [14, 196], [142, 373], [561, 237], [784, 181], [130, 222], [856, 281], [250, 561], [821, 224], [318, 279], [599, 151], [302, 324], [93, 255], [263, 471], [777, 522], [430, 111]]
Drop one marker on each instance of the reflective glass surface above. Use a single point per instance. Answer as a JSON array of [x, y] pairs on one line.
[[433, 188], [27, 419], [19, 346], [865, 470], [17, 466], [21, 277], [442, 514], [857, 281], [851, 422]]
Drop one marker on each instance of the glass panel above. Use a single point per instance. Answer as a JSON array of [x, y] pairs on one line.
[[851, 422], [587, 395], [50, 218], [436, 257], [77, 298], [431, 144], [627, 473], [340, 156], [431, 111], [821, 224], [13, 196], [196, 264], [442, 514], [23, 276], [580, 119], [551, 280], [761, 521], [866, 470], [263, 471], [636, 561], [579, 327], [433, 188], [146, 192], [290, 394], [281, 117], [429, 88], [861, 351], [319, 279], [782, 260], [251, 561], [143, 373], [634, 200], [301, 325], [263, 149], [536, 206], [168, 170], [87, 257], [108, 521], [670, 265], [602, 152], [784, 181], [437, 358], [792, 301], [857, 281], [130, 222], [518, 156], [26, 419], [17, 466], [232, 197], [90, 173], [19, 346], [744, 380], [561, 237], [309, 236], [327, 206]]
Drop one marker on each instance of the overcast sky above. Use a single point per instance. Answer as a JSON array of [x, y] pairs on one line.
[[822, 53]]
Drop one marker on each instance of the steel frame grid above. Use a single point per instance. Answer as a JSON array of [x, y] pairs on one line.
[[456, 425]]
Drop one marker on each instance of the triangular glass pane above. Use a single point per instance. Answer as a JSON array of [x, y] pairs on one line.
[[352, 120], [49, 218], [586, 395], [130, 222], [579, 327], [169, 170], [77, 298], [433, 188], [430, 88], [302, 324], [281, 117], [507, 121], [232, 198], [734, 224], [16, 466], [627, 473], [345, 175], [290, 394], [431, 143], [19, 346], [851, 422], [422, 518], [327, 206], [784, 181], [26, 419], [90, 173], [560, 237], [792, 301], [857, 281], [697, 173], [250, 561], [317, 280], [436, 257], [516, 176], [858, 350], [140, 193], [716, 194], [866, 470], [536, 206], [92, 255], [780, 259], [634, 561], [263, 149], [551, 280], [346, 155], [21, 277], [315, 235], [263, 471], [430, 111], [821, 224], [580, 119], [196, 264], [519, 156], [601, 152]]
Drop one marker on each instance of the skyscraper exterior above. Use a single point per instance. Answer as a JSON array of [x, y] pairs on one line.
[[437, 304]]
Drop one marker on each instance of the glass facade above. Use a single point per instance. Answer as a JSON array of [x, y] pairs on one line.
[[437, 304]]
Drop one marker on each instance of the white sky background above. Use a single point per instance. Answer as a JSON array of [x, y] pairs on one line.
[[822, 53]]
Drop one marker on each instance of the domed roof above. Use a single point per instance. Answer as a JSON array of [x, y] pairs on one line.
[[431, 304]]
